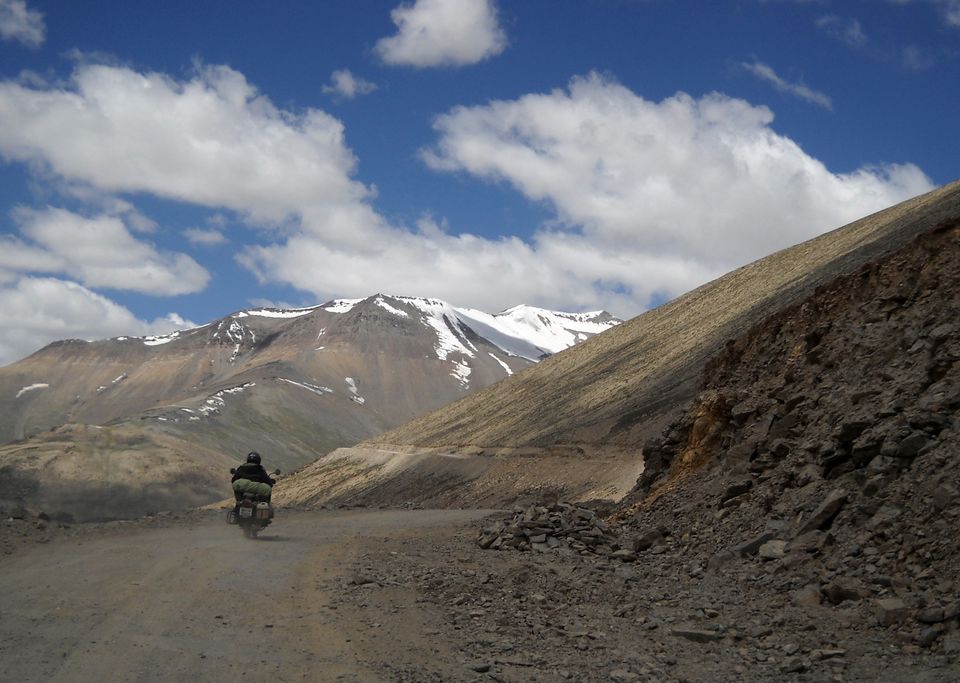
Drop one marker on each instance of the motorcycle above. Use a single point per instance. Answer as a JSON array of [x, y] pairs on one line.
[[251, 513]]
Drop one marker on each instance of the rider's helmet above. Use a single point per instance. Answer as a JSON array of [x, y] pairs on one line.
[[253, 457]]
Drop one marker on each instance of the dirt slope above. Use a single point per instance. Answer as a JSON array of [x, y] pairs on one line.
[[84, 472], [602, 390], [605, 397]]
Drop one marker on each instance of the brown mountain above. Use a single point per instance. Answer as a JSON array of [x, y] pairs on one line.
[[577, 421], [290, 384]]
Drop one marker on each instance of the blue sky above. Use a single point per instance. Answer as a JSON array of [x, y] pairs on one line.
[[164, 164]]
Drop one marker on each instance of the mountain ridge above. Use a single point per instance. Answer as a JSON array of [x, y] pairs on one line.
[[607, 396], [292, 384]]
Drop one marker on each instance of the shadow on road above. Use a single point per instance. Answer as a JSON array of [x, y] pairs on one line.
[[276, 538]]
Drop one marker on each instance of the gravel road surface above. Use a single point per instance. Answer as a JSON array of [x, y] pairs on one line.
[[197, 601]]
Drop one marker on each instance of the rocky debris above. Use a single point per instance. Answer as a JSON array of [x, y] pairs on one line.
[[650, 538], [697, 635], [361, 580], [844, 588], [752, 546], [561, 526], [736, 489], [831, 485], [825, 512], [568, 616], [890, 611], [772, 550]]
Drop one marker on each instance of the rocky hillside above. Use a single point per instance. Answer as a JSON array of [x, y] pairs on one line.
[[292, 384], [797, 520], [577, 421], [816, 477]]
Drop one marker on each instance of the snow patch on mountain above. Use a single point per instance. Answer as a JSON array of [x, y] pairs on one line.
[[320, 391], [276, 312], [32, 387], [390, 309], [116, 381], [341, 305], [235, 332], [445, 321], [506, 368], [461, 372], [531, 332], [158, 339], [524, 331], [355, 393], [214, 403]]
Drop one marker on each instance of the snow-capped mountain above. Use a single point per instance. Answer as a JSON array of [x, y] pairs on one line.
[[292, 383], [523, 331]]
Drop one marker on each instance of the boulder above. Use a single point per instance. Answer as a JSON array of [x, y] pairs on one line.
[[911, 446], [647, 539], [772, 550], [736, 489], [753, 545], [825, 512], [849, 430], [808, 596], [890, 611], [696, 635], [944, 496], [845, 588], [931, 615]]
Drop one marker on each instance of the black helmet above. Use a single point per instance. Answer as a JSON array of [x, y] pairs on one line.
[[253, 457]]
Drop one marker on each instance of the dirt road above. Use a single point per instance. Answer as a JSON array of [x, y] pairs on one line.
[[196, 601]]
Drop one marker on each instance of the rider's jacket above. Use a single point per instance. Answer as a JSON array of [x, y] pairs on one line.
[[253, 472]]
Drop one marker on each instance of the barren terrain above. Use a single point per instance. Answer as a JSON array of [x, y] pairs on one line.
[[407, 595]]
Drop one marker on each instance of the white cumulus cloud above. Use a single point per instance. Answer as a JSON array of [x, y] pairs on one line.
[[18, 22], [38, 311], [343, 83], [650, 198], [100, 252], [211, 140], [702, 184], [443, 33]]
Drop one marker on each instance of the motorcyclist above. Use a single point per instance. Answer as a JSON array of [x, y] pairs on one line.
[[250, 477]]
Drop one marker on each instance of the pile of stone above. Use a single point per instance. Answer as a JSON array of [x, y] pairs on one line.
[[562, 526]]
